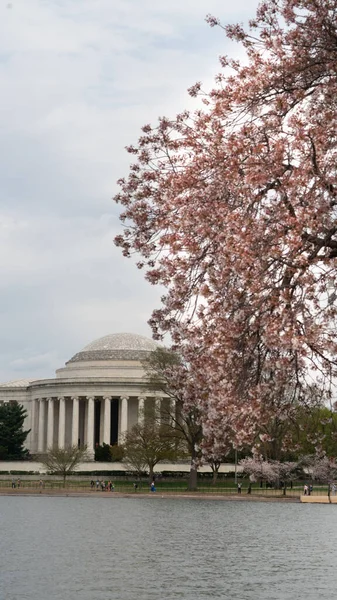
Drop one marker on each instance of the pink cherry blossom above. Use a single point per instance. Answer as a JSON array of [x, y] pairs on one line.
[[232, 209]]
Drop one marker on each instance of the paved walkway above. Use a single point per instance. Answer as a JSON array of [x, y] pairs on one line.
[[312, 499], [155, 495]]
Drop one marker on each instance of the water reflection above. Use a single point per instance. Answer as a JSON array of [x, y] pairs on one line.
[[144, 549]]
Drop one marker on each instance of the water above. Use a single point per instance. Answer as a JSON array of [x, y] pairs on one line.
[[127, 549]]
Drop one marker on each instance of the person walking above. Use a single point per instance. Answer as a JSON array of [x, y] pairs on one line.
[[239, 488]]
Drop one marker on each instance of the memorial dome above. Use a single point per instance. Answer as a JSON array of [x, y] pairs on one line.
[[116, 346]]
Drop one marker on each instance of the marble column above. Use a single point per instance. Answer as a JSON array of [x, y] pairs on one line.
[[107, 420], [141, 410], [124, 417], [101, 421], [85, 419], [34, 426], [42, 420], [157, 410], [90, 423], [75, 422], [62, 423], [50, 423]]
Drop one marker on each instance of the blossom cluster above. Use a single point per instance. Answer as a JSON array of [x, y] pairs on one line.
[[232, 209]]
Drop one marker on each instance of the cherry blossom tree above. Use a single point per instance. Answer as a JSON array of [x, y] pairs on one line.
[[322, 469], [276, 472], [214, 452], [232, 208], [286, 471], [258, 469]]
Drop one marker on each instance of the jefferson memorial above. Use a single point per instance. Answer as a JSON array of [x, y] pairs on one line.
[[95, 398]]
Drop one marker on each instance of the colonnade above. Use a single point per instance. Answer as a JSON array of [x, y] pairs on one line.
[[83, 420]]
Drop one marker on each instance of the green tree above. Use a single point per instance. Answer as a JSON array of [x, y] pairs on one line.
[[63, 461], [103, 453], [106, 453], [316, 430], [295, 423], [146, 444], [117, 453], [12, 433]]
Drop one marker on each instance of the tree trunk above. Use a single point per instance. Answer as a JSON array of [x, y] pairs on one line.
[[192, 480], [151, 473], [64, 480], [329, 492], [215, 476]]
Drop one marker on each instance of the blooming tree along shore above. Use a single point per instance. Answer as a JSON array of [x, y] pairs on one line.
[[232, 208]]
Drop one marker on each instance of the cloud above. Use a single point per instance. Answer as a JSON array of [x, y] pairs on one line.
[[33, 362], [78, 79]]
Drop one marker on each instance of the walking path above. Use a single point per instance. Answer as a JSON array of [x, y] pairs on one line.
[[318, 499], [155, 495]]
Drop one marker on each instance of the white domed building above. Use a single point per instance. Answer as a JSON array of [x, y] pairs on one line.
[[95, 398]]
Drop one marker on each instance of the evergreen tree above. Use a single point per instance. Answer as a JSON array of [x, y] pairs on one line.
[[102, 453], [12, 434]]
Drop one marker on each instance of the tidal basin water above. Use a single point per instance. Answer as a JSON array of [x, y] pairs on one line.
[[55, 548]]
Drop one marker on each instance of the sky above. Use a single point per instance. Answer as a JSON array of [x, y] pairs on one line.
[[78, 79]]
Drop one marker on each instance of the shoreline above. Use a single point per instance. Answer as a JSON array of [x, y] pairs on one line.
[[152, 495]]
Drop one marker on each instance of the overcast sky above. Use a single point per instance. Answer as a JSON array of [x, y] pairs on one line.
[[78, 79]]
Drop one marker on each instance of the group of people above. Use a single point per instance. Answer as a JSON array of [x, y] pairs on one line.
[[109, 486], [308, 489], [16, 484], [104, 485]]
